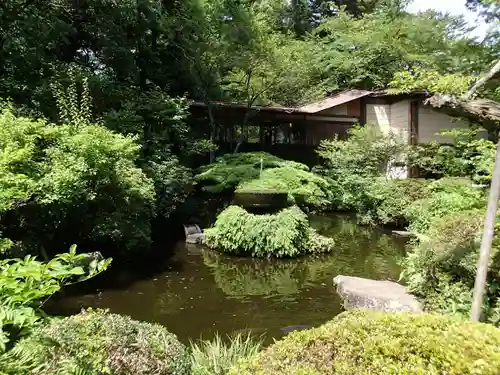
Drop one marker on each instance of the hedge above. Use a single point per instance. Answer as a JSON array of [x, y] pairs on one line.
[[367, 342]]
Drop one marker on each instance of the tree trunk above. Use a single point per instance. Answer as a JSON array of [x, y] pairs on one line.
[[487, 240], [242, 135], [212, 129]]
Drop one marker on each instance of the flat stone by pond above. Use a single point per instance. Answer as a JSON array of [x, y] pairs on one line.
[[380, 295], [201, 292]]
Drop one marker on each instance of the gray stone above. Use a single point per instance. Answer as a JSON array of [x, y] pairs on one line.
[[191, 229], [377, 295], [402, 233], [195, 238]]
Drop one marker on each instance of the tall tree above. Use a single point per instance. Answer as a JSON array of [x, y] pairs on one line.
[[489, 9]]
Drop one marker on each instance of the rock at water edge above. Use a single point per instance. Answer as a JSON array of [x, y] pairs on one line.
[[386, 296], [196, 238]]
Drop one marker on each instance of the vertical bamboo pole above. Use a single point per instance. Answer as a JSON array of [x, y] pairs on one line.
[[486, 242]]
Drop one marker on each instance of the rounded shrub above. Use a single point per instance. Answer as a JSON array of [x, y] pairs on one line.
[[283, 234], [97, 342], [386, 201], [367, 342]]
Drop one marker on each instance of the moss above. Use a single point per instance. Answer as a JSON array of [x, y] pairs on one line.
[[99, 343], [284, 234], [308, 189], [366, 342], [232, 169]]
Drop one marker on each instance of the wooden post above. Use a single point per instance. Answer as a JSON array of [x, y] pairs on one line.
[[487, 240]]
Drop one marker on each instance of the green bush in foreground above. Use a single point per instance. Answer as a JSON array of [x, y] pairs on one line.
[[216, 357], [284, 234], [232, 169], [308, 189], [364, 342], [102, 343]]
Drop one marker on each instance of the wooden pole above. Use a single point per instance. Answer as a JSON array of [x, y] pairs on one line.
[[487, 240]]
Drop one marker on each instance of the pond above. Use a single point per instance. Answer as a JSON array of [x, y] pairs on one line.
[[200, 292]]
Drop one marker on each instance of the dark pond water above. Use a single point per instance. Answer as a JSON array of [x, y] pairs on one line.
[[201, 292]]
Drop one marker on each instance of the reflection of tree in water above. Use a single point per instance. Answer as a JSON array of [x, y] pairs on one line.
[[359, 251], [167, 300], [255, 277]]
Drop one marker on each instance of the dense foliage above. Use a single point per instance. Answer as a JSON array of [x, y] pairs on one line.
[[352, 165], [97, 342], [386, 201], [284, 234], [465, 154], [26, 284], [392, 344], [62, 183], [441, 268], [445, 197]]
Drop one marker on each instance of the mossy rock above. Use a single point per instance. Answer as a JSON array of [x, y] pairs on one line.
[[261, 201], [365, 342]]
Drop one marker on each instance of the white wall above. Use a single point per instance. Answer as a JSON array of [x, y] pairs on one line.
[[399, 119], [379, 114], [391, 118], [400, 126], [431, 122]]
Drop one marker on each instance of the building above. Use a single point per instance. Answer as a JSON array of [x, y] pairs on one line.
[[275, 129]]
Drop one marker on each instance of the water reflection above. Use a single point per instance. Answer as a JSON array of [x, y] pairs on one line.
[[212, 292]]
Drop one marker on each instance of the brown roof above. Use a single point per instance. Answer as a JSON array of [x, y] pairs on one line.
[[335, 100]]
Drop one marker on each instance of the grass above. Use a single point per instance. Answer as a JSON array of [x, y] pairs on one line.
[[218, 356]]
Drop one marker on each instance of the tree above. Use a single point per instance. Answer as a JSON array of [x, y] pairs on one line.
[[452, 94], [489, 9]]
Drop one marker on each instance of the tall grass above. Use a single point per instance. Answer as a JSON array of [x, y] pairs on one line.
[[217, 357]]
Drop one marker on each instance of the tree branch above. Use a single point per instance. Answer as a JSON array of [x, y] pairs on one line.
[[476, 109], [481, 82]]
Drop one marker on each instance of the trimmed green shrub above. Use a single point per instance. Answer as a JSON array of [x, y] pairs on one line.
[[97, 342], [284, 234], [447, 196], [367, 342], [308, 189], [441, 268], [386, 201], [232, 169]]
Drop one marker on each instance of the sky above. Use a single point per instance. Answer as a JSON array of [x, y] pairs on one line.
[[455, 7]]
